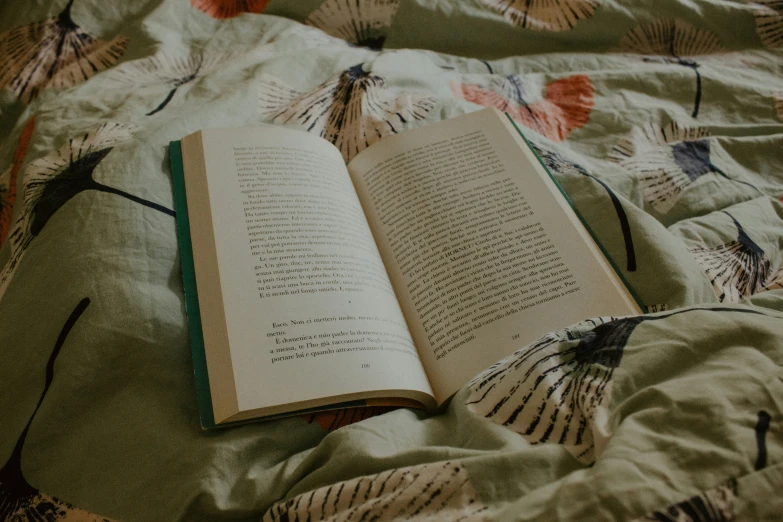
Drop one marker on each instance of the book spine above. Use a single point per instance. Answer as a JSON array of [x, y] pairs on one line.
[[192, 309]]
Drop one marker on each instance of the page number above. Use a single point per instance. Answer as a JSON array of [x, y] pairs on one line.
[[515, 336], [366, 365]]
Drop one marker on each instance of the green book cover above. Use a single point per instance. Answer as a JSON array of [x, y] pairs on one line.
[[189, 284]]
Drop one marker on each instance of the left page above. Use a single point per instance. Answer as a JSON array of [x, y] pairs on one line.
[[296, 306]]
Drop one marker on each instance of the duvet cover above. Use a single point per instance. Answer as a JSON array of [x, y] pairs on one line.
[[663, 122]]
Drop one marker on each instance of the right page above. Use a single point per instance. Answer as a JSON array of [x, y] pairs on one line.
[[484, 252]]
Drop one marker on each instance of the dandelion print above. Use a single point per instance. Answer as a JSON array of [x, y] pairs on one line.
[[437, 491], [362, 22], [557, 388], [543, 15], [775, 280], [174, 71], [667, 161], [737, 269], [675, 42], [713, 505], [769, 21], [352, 109], [18, 499], [762, 428], [50, 182], [53, 53]]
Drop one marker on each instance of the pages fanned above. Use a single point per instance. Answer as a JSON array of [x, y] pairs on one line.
[[393, 280]]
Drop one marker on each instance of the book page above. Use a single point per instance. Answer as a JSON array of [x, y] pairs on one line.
[[304, 305], [484, 252]]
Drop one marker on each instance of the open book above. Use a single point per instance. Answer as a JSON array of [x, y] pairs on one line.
[[392, 280]]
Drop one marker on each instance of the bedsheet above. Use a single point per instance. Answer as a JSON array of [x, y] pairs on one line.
[[662, 121]]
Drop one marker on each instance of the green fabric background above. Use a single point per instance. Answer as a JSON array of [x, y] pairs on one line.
[[118, 433]]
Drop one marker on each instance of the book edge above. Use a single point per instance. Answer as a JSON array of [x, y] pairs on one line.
[[609, 259], [192, 309]]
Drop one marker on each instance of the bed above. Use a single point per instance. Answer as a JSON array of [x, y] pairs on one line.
[[663, 121]]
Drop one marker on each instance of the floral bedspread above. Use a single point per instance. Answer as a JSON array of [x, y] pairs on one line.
[[662, 120]]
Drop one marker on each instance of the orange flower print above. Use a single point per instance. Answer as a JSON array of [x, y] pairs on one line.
[[333, 419], [566, 104], [8, 180], [222, 9]]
